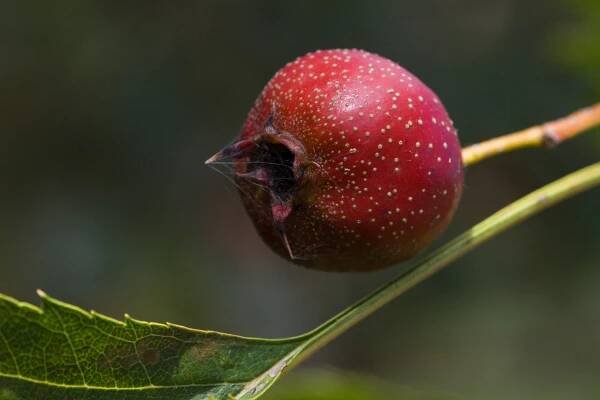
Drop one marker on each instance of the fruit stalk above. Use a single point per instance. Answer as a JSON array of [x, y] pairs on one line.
[[515, 213], [549, 134]]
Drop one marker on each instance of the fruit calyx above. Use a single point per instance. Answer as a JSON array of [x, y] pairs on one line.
[[275, 161]]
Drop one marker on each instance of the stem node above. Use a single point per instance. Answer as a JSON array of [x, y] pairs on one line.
[[546, 135]]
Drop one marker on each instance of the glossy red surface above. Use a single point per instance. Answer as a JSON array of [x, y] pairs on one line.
[[381, 171]]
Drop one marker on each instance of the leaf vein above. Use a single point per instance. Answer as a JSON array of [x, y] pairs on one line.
[[12, 355], [68, 336]]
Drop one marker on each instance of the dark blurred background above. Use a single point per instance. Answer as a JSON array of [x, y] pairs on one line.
[[108, 110]]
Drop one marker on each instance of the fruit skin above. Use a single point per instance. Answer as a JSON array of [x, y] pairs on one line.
[[347, 162]]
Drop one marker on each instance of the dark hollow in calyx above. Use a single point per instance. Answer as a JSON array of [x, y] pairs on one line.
[[277, 161]]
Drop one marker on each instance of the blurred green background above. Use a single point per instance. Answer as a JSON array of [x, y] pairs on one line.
[[108, 110]]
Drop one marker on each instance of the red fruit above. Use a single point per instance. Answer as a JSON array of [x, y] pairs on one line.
[[347, 162]]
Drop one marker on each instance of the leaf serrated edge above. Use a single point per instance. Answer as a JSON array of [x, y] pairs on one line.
[[47, 302]]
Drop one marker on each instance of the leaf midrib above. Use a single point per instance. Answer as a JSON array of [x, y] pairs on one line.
[[119, 389]]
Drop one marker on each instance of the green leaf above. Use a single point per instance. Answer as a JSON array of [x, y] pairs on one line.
[[61, 352]]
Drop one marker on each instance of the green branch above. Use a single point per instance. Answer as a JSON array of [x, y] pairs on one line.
[[497, 223]]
